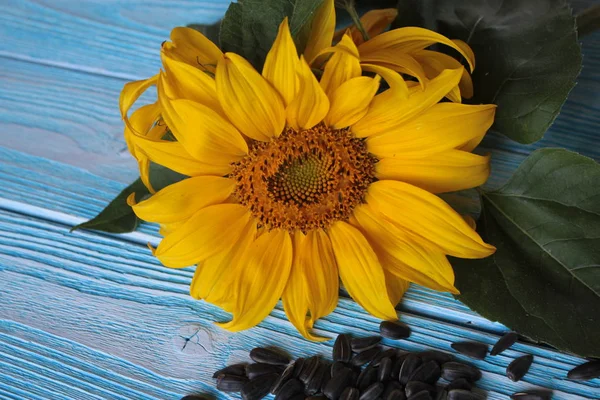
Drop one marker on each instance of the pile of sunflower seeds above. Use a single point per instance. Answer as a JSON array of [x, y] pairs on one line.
[[363, 370]]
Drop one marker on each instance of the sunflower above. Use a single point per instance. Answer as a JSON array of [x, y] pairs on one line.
[[295, 183]]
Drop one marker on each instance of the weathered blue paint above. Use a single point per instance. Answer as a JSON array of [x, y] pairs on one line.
[[92, 316]]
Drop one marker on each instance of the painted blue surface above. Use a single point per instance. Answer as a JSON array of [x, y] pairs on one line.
[[92, 316]]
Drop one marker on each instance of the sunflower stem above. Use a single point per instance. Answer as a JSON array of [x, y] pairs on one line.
[[349, 6]]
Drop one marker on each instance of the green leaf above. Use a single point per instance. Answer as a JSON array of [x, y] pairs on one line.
[[211, 31], [527, 57], [117, 216], [544, 279], [249, 27]]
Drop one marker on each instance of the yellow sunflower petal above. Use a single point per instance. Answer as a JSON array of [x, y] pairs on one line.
[[187, 82], [204, 133], [342, 66], [398, 86], [311, 104], [321, 32], [428, 216], [374, 22], [466, 51], [321, 274], [442, 127], [448, 171], [208, 232], [407, 40], [396, 287], [360, 270], [350, 101], [402, 255], [130, 93], [435, 62], [403, 63], [281, 64], [190, 46], [181, 200], [248, 100], [382, 118], [259, 285]]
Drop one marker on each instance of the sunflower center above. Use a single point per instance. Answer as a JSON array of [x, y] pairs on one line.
[[304, 179]]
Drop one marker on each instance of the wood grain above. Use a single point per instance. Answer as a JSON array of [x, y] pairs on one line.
[[118, 325]]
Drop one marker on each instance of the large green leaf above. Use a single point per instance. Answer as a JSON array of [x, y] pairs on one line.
[[526, 51], [249, 27], [117, 216], [544, 280]]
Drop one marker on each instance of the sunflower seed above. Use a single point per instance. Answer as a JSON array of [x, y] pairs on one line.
[[398, 365], [258, 387], [350, 393], [268, 356], [385, 369], [390, 387], [194, 397], [517, 369], [538, 395], [314, 384], [411, 363], [365, 343], [461, 394], [428, 372], [460, 383], [415, 387], [366, 356], [290, 389], [394, 330], [342, 351], [283, 378], [230, 383], [297, 396], [298, 365], [310, 367], [396, 394], [471, 349], [318, 397], [367, 377], [337, 366], [454, 370], [338, 383], [235, 369], [434, 355], [585, 372], [391, 353], [373, 391], [258, 369], [504, 343], [422, 395]]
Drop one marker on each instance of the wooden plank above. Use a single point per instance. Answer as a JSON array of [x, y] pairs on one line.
[[94, 314]]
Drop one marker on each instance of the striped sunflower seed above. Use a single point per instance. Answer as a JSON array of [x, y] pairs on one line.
[[539, 395], [258, 369], [391, 353], [385, 369], [460, 383], [454, 370], [298, 365], [411, 362], [366, 378], [287, 374], [342, 351], [517, 369], [315, 382], [258, 387], [234, 369], [394, 330], [422, 395], [415, 387], [435, 355], [309, 369], [373, 391], [461, 394], [350, 393], [290, 389], [268, 356], [338, 383], [365, 343], [585, 372], [194, 397], [366, 356], [230, 383], [428, 372], [396, 394], [390, 387], [474, 350], [507, 340]]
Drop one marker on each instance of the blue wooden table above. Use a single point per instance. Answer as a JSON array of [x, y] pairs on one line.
[[91, 316]]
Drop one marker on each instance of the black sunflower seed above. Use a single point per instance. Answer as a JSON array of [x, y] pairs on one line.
[[367, 377], [258, 387], [422, 395], [337, 366], [428, 372], [411, 362], [298, 365], [258, 369], [434, 355], [290, 389], [504, 343], [373, 391], [338, 383], [391, 386], [235, 369], [366, 356], [350, 393], [537, 395], [385, 369], [230, 383], [317, 397], [297, 396], [454, 370], [364, 343], [314, 384], [342, 351], [517, 369], [460, 383], [310, 367], [394, 330], [585, 372], [471, 349], [415, 387], [268, 356], [287, 373], [396, 394], [461, 394], [391, 353], [398, 364], [194, 397]]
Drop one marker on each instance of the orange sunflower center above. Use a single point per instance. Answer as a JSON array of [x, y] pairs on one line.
[[304, 179]]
